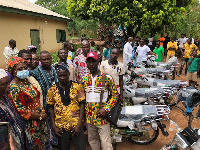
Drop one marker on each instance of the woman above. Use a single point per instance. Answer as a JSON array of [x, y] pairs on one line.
[[9, 114], [26, 98]]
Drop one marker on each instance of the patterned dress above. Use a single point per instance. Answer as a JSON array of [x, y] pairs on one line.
[[16, 123], [26, 99]]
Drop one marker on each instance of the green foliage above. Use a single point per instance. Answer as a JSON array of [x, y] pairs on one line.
[[137, 15], [54, 56]]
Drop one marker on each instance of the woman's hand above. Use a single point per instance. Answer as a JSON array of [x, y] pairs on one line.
[[58, 131], [44, 115]]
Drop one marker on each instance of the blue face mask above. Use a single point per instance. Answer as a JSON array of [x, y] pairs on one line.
[[22, 74]]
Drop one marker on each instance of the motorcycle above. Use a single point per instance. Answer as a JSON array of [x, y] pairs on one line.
[[188, 137], [140, 124]]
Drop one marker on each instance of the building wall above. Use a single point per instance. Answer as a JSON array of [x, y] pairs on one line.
[[17, 27]]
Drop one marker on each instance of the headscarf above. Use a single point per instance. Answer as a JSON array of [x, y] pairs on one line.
[[13, 62], [61, 66]]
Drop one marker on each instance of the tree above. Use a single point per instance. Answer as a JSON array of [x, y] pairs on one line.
[[147, 16]]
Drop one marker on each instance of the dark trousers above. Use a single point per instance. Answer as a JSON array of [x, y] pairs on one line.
[[78, 141], [184, 61]]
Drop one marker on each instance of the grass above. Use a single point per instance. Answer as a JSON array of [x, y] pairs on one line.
[[73, 37]]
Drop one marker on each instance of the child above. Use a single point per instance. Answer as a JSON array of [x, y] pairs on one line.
[[159, 50], [193, 64], [107, 51]]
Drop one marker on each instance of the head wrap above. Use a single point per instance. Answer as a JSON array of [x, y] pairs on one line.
[[31, 47], [13, 62], [3, 73], [61, 66]]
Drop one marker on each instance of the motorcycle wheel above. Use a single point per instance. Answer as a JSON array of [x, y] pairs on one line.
[[153, 135]]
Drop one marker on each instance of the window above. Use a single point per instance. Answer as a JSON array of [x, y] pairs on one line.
[[60, 35]]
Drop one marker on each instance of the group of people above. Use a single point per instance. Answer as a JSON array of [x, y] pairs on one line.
[[189, 49], [47, 105]]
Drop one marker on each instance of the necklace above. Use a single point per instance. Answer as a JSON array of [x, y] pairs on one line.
[[25, 81]]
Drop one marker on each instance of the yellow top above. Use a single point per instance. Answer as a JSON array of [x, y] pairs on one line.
[[63, 113], [170, 44], [188, 49]]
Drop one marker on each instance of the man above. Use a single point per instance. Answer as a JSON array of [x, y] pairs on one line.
[[189, 47], [192, 40], [10, 51], [63, 54], [150, 42], [26, 55], [70, 56], [167, 39], [80, 63], [67, 101], [182, 40], [127, 52], [171, 47], [85, 45], [162, 40], [116, 69], [193, 65], [197, 41], [159, 50], [46, 75], [98, 127], [35, 61], [142, 51]]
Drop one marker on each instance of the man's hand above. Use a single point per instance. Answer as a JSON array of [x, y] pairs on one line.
[[75, 113], [58, 131], [101, 112], [76, 130]]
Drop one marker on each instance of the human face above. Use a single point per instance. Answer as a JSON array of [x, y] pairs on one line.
[[189, 41], [194, 53], [45, 60], [35, 61], [86, 47], [63, 54], [92, 65], [157, 44], [20, 67], [141, 42], [27, 58], [63, 76], [13, 45], [4, 86], [114, 54]]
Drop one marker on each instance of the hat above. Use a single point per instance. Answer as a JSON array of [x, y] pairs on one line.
[[31, 47], [3, 73], [92, 55], [61, 66]]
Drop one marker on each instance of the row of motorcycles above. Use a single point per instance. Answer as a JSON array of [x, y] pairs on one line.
[[149, 95]]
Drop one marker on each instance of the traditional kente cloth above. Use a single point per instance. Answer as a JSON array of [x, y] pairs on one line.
[[26, 99], [45, 80], [65, 103], [93, 86], [16, 123]]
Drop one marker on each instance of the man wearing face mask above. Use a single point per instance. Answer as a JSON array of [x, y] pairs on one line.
[[46, 75], [127, 52]]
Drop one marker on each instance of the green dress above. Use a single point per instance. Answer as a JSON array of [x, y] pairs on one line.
[[159, 51]]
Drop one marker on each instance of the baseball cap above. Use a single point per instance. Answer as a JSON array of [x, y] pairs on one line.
[[92, 55]]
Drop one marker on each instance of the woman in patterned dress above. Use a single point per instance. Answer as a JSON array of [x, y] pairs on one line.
[[26, 99]]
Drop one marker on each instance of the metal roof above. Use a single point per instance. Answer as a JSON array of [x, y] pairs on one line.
[[30, 7]]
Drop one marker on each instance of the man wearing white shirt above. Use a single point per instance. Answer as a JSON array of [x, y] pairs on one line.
[[142, 51], [10, 51], [182, 40], [127, 52], [191, 38]]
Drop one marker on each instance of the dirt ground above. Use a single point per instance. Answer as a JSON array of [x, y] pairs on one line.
[[175, 115]]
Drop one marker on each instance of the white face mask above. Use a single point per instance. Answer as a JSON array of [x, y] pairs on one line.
[[131, 43]]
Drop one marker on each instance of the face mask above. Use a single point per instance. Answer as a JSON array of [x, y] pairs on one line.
[[23, 74], [131, 43]]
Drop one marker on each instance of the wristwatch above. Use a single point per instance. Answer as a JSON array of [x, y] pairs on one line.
[[40, 117]]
